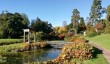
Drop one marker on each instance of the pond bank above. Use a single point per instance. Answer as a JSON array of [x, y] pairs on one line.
[[26, 57], [27, 53], [20, 47]]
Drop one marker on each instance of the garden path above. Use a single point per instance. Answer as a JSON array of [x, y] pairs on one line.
[[105, 52]]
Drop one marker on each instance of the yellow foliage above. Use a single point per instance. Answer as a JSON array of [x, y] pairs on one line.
[[62, 30]]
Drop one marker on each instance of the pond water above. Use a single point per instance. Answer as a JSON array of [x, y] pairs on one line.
[[29, 56]]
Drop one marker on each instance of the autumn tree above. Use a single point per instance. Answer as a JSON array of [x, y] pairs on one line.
[[55, 30], [99, 27], [62, 30]]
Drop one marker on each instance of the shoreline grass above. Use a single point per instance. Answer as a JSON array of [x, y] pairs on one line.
[[20, 47], [10, 41], [8, 48]]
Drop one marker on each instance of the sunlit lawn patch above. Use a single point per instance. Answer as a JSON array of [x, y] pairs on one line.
[[103, 40], [10, 41]]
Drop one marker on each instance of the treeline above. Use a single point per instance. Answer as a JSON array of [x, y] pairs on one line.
[[94, 24], [91, 26], [12, 25]]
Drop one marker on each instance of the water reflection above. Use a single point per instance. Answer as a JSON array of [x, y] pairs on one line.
[[30, 56]]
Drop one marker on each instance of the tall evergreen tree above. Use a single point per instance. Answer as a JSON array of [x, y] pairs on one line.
[[75, 18], [96, 11], [89, 25], [82, 25], [82, 22]]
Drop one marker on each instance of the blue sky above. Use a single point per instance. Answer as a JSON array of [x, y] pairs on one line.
[[53, 11]]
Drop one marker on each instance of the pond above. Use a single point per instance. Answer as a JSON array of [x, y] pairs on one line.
[[29, 56]]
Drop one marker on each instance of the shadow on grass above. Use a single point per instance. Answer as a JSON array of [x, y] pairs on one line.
[[96, 52]]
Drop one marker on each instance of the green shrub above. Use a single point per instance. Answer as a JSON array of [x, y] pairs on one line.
[[39, 36], [67, 38], [107, 30], [92, 34]]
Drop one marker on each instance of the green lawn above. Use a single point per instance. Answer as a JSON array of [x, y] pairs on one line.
[[8, 48], [4, 40], [99, 60], [103, 40], [10, 41]]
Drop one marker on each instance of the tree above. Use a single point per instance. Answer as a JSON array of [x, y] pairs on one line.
[[99, 26], [62, 30], [82, 22], [82, 26], [43, 26], [56, 29], [96, 11], [108, 13], [75, 18], [107, 28], [107, 21], [89, 27], [26, 20], [64, 23], [38, 25], [12, 25], [69, 26], [33, 27]]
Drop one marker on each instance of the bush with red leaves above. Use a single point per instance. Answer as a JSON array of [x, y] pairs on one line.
[[61, 36]]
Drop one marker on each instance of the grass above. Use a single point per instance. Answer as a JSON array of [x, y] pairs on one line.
[[103, 40], [8, 48], [79, 52], [99, 60], [20, 47], [9, 41]]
